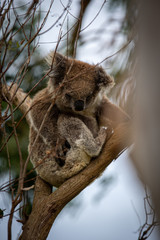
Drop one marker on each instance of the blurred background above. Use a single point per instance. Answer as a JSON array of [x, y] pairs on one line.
[[115, 206]]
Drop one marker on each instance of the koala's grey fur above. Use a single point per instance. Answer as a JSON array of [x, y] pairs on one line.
[[66, 128]]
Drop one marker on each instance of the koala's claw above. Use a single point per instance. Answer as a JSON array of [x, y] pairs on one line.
[[102, 134], [110, 132], [103, 131], [106, 132], [104, 128]]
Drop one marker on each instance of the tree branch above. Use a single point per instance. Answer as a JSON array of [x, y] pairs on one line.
[[76, 31], [46, 208], [16, 96]]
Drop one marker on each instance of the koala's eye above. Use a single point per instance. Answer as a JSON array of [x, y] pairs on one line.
[[68, 97], [88, 98]]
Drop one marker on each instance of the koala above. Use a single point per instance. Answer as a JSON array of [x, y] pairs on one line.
[[70, 119]]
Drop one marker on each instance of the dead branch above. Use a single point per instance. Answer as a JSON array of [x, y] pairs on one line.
[[15, 95], [150, 218], [76, 31]]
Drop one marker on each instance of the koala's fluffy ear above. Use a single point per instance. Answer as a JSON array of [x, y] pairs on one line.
[[58, 66], [103, 79]]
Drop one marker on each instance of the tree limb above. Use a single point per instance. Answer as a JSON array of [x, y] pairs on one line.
[[15, 95], [47, 206]]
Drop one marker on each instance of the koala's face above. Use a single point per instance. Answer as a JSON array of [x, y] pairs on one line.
[[80, 85], [78, 95]]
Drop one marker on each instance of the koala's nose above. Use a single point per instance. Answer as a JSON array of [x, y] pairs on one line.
[[79, 105]]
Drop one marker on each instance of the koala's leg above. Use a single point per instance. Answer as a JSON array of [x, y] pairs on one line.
[[79, 136], [92, 146]]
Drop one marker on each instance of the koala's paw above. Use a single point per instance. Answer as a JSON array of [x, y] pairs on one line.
[[102, 134], [109, 132], [105, 133]]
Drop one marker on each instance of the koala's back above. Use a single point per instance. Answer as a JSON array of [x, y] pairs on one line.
[[44, 115], [43, 133]]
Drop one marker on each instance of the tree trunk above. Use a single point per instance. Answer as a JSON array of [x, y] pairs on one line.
[[147, 151]]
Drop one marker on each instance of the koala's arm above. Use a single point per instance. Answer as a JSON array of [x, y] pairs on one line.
[[110, 114], [43, 116], [79, 136]]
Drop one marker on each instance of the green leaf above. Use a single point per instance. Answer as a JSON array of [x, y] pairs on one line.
[[17, 43]]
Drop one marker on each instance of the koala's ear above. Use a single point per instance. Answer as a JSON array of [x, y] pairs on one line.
[[103, 79], [58, 66]]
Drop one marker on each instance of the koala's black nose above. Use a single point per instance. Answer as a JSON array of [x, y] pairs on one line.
[[79, 105]]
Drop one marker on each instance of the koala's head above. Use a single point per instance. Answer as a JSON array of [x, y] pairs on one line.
[[78, 86]]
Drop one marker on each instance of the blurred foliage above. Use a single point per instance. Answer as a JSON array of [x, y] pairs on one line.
[[130, 8], [123, 65], [105, 182], [35, 71]]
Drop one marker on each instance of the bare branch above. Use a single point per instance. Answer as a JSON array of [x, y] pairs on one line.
[[150, 219], [76, 30]]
